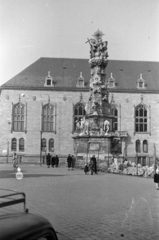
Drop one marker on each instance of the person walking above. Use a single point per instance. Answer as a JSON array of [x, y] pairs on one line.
[[53, 161], [15, 161], [94, 163], [48, 159], [73, 162], [69, 161], [156, 178], [56, 161], [91, 166]]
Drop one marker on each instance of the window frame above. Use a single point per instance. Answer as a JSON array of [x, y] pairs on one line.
[[48, 118], [145, 146], [21, 146], [43, 145], [76, 113], [141, 119], [51, 145], [115, 122], [18, 117], [138, 146], [12, 143]]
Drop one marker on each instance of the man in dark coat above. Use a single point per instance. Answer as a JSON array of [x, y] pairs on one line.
[[48, 159], [156, 178], [94, 163], [53, 162], [56, 160], [73, 162], [69, 161]]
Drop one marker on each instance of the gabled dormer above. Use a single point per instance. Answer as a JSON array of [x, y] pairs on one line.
[[111, 82], [140, 84], [80, 81], [49, 81]]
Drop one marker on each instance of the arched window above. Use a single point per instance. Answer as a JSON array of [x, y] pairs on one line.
[[79, 112], [48, 118], [115, 121], [138, 147], [43, 145], [145, 146], [21, 144], [51, 145], [18, 117], [141, 119], [14, 144]]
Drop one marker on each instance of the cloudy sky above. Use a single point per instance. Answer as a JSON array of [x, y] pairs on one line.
[[30, 29]]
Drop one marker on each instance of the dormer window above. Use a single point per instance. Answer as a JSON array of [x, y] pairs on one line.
[[80, 81], [49, 81], [111, 81], [141, 82]]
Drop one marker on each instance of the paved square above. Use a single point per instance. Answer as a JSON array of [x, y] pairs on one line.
[[102, 206]]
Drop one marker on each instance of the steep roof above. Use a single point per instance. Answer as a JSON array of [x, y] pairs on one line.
[[66, 72]]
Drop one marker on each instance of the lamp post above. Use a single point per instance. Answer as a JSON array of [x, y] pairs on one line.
[[137, 163], [40, 146], [7, 150], [64, 68]]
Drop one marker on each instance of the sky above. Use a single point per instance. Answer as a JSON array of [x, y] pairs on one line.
[[31, 29]]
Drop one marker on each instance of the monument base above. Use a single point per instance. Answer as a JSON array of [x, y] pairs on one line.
[[87, 146]]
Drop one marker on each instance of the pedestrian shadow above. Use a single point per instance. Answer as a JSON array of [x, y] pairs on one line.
[[12, 174]]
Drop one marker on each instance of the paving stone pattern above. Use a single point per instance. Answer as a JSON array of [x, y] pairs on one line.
[[102, 206]]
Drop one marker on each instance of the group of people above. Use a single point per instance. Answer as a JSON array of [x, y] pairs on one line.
[[52, 160], [71, 162], [91, 166]]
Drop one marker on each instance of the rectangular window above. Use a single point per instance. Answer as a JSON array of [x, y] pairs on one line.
[[49, 82]]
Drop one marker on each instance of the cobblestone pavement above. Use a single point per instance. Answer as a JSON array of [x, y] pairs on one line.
[[100, 206]]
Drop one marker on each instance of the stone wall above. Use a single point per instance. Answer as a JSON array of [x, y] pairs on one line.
[[64, 120]]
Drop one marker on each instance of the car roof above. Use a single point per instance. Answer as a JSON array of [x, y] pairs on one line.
[[21, 225]]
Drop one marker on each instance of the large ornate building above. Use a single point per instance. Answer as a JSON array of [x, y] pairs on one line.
[[39, 107]]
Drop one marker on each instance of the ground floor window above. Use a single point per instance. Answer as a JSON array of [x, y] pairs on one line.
[[142, 160]]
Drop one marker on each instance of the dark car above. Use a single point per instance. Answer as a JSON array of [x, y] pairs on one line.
[[16, 224]]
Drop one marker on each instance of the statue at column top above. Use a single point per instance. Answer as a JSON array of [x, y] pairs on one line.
[[98, 48]]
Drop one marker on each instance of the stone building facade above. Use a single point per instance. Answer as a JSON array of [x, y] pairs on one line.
[[39, 106]]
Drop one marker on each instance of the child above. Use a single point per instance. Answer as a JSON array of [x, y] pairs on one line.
[[156, 178], [86, 168], [91, 166]]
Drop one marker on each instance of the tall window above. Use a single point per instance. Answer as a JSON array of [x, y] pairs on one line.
[[14, 144], [141, 119], [145, 146], [21, 144], [48, 118], [43, 145], [79, 113], [115, 122], [138, 146], [51, 145], [18, 117]]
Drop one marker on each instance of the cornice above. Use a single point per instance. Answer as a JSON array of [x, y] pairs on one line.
[[75, 89]]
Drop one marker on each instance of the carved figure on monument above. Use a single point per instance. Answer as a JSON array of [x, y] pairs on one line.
[[103, 48], [97, 90], [93, 46], [106, 126], [101, 132]]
